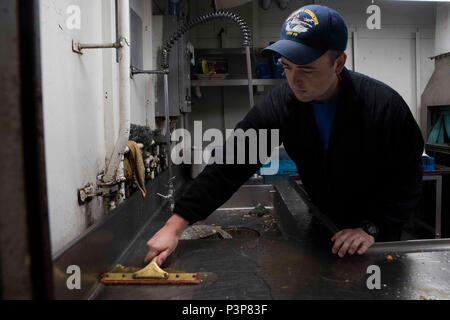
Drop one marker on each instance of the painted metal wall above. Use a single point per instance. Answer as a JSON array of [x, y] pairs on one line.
[[436, 92], [81, 111], [442, 28]]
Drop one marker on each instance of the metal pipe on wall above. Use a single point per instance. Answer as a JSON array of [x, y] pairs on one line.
[[167, 116], [418, 87], [354, 35], [124, 90], [249, 76]]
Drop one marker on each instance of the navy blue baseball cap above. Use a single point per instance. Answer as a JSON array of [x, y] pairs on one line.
[[309, 32]]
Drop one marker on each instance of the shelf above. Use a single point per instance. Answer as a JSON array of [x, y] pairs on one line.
[[236, 82], [226, 51], [441, 148], [242, 78]]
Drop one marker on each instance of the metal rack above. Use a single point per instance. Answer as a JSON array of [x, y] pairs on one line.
[[236, 82], [231, 82]]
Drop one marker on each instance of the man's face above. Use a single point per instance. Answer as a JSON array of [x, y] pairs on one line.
[[313, 81]]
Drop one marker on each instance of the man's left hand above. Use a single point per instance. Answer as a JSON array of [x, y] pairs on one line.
[[349, 240]]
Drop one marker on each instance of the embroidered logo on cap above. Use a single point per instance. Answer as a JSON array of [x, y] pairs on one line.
[[300, 21]]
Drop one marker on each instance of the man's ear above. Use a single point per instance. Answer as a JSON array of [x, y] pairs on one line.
[[339, 64]]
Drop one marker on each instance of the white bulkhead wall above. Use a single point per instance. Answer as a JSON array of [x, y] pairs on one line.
[[81, 109], [442, 28]]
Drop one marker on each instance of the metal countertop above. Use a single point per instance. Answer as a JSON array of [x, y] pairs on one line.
[[297, 263]]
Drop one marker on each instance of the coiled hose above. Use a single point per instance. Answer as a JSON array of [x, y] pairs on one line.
[[201, 20]]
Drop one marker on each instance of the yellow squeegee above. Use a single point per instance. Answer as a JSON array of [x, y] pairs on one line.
[[151, 274]]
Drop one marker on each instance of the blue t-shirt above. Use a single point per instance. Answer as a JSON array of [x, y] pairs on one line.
[[324, 114]]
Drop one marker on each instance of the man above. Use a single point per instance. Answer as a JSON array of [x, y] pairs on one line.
[[354, 140]]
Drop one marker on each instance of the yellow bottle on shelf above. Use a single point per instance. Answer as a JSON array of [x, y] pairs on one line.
[[205, 68]]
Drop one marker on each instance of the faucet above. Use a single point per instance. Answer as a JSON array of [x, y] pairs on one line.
[[165, 53], [170, 197], [165, 72], [165, 67]]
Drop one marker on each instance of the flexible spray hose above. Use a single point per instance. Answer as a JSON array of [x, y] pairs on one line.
[[165, 64], [201, 20]]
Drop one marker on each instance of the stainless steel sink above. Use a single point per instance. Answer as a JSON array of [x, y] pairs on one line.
[[237, 217], [285, 259]]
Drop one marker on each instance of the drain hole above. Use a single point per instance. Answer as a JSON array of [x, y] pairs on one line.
[[242, 232], [212, 236], [204, 232]]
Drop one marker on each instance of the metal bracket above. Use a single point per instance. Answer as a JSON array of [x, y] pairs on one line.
[[86, 193], [102, 189], [135, 70], [90, 191], [76, 47]]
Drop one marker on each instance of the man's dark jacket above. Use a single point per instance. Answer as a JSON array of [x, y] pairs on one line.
[[371, 171]]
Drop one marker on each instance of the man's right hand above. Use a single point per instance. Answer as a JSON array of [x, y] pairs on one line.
[[165, 240]]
